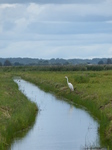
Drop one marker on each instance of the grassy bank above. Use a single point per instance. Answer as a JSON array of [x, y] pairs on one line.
[[93, 90], [16, 112]]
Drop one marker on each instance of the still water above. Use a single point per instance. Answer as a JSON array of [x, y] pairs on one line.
[[58, 125]]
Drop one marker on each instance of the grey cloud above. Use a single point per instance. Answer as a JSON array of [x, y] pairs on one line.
[[51, 1], [70, 28], [55, 30]]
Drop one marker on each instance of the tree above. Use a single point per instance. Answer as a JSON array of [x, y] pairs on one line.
[[43, 62], [7, 63], [109, 61], [17, 64], [0, 64], [100, 62]]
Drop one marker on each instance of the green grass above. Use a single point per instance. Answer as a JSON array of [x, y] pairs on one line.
[[93, 90], [16, 112]]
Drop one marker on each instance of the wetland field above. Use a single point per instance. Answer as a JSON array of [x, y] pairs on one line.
[[92, 91]]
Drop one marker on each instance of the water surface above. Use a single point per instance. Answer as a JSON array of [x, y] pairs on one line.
[[58, 125]]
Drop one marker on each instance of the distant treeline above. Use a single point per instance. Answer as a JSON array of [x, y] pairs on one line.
[[57, 68], [53, 61]]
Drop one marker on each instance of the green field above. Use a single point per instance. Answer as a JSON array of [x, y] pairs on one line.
[[16, 112], [93, 91]]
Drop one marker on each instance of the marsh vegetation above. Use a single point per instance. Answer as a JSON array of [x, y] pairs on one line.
[[93, 91], [16, 112]]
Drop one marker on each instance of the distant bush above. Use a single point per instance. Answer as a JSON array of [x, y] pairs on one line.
[[58, 68], [95, 67], [108, 67]]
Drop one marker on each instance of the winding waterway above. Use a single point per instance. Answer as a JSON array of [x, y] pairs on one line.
[[58, 125]]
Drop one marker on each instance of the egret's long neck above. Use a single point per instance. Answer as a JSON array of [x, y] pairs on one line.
[[67, 80]]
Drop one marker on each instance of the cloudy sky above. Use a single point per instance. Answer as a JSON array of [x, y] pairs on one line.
[[56, 28]]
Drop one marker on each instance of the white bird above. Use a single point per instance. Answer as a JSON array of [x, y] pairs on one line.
[[69, 84]]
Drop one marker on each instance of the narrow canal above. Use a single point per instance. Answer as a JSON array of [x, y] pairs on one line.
[[58, 125]]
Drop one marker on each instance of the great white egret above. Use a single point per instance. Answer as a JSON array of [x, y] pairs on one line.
[[69, 84]]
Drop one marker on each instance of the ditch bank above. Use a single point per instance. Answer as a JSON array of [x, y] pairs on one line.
[[76, 99], [17, 113]]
